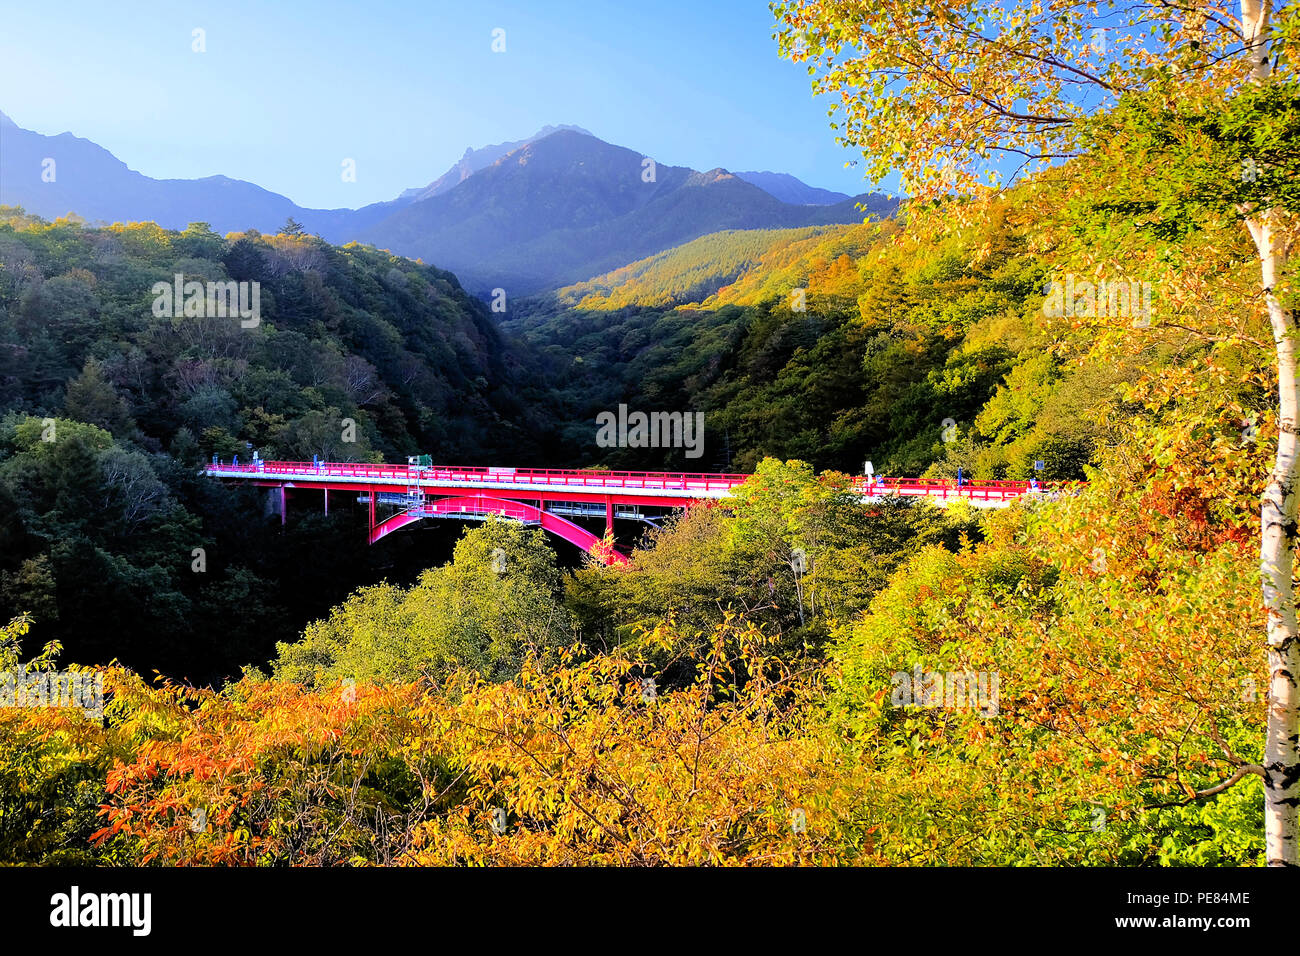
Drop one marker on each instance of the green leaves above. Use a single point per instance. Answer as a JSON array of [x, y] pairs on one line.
[[1171, 162], [493, 608]]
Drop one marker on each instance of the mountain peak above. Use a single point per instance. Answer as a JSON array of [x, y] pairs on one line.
[[715, 175], [475, 160], [548, 130]]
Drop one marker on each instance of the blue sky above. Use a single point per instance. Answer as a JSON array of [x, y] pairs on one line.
[[287, 90]]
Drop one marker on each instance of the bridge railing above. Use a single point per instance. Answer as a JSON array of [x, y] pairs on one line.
[[997, 490], [567, 478]]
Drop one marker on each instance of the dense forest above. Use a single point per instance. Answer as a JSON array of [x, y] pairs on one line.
[[894, 341], [791, 675], [110, 410], [835, 346]]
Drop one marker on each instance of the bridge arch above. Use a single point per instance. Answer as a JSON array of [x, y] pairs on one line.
[[486, 505]]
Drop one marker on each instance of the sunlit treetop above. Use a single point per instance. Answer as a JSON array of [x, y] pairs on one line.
[[944, 92]]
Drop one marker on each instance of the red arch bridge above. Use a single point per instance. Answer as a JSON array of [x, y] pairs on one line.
[[398, 495]]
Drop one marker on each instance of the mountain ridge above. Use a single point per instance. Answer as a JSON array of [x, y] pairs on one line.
[[475, 160], [92, 182], [527, 216], [505, 227], [790, 189]]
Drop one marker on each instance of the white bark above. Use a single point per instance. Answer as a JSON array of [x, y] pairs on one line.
[[1255, 15], [1277, 516], [1278, 507]]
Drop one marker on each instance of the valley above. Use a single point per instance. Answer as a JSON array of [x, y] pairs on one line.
[[601, 504]]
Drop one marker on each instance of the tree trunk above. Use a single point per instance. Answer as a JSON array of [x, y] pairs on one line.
[[1278, 507]]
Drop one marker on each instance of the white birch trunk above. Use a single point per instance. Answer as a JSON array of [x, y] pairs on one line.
[[1278, 508], [1277, 516]]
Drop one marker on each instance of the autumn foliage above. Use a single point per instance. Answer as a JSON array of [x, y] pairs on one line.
[[1117, 628]]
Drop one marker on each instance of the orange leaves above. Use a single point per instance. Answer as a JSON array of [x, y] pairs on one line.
[[578, 765]]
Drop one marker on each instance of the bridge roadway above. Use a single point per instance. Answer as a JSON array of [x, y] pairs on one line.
[[524, 493]]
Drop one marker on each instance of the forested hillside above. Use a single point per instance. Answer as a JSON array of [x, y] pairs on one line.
[[110, 409], [837, 346]]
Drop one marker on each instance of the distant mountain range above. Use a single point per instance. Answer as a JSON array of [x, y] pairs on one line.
[[96, 185], [794, 191], [531, 215]]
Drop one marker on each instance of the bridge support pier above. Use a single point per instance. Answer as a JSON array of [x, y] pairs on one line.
[[284, 505], [327, 501], [609, 515]]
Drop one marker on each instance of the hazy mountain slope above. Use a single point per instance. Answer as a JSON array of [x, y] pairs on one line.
[[790, 189], [566, 180], [732, 267], [477, 159]]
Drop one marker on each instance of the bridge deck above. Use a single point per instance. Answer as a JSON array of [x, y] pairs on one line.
[[542, 495], [643, 487]]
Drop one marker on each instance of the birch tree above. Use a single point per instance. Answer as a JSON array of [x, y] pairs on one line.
[[960, 98]]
